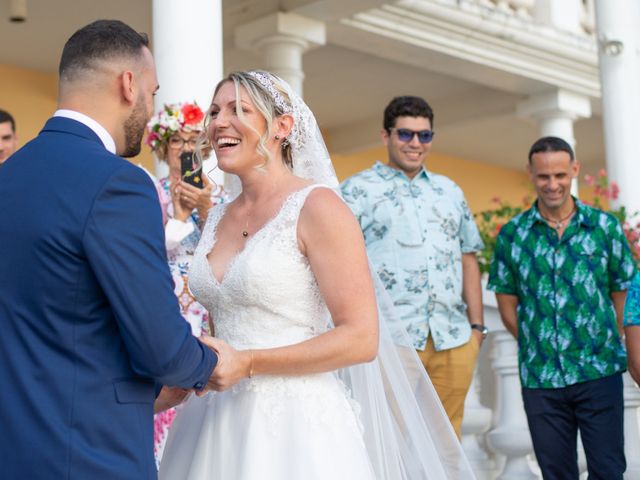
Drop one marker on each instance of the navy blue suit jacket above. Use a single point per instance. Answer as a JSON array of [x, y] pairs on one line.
[[89, 324]]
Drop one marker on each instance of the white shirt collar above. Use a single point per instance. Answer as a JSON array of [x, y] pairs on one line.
[[98, 129]]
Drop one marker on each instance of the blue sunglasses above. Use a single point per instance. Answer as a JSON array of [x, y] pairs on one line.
[[406, 135]]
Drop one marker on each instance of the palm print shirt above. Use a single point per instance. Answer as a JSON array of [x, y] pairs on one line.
[[416, 231], [567, 331], [632, 305]]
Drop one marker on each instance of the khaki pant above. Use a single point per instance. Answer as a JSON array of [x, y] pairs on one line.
[[451, 372]]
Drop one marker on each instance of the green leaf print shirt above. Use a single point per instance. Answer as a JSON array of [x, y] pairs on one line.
[[567, 330]]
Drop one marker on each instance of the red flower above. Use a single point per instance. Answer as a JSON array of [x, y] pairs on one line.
[[192, 114]]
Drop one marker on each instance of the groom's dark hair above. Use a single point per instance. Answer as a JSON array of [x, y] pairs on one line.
[[98, 41]]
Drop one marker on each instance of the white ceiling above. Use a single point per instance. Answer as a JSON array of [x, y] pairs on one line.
[[346, 89]]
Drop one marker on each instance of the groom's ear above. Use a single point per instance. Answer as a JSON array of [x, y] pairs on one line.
[[283, 125]]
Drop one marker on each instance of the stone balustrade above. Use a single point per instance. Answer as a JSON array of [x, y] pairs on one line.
[[495, 435]]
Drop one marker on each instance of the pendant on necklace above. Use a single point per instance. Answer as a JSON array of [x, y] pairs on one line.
[[245, 234], [558, 225]]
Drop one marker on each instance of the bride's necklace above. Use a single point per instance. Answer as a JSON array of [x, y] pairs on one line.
[[245, 232], [559, 223]]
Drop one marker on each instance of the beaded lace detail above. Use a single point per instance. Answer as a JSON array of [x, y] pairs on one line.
[[268, 296]]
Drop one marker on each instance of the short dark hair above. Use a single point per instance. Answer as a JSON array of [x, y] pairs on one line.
[[100, 40], [550, 144], [406, 106], [7, 117]]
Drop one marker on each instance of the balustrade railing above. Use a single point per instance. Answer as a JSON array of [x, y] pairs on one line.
[[495, 434]]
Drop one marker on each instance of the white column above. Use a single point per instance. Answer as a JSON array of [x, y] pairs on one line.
[[555, 113], [475, 423], [187, 46], [282, 39], [562, 14], [510, 437], [631, 432], [618, 40]]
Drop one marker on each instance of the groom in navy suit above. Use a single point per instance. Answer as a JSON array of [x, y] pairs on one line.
[[89, 326]]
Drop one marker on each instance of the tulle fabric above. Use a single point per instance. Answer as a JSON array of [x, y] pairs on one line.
[[406, 430]]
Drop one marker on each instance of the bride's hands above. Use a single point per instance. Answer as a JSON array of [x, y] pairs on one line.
[[233, 365]]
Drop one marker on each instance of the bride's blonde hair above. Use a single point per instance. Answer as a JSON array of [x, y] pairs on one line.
[[264, 102]]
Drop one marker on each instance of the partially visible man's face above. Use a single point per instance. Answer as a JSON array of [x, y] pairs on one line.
[[8, 141], [407, 156], [143, 110], [551, 174]]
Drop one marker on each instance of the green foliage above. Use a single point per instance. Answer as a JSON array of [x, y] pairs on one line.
[[490, 222]]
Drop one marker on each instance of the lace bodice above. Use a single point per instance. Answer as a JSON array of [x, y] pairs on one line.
[[268, 296]]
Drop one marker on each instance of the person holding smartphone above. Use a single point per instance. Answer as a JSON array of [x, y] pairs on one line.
[[186, 195]]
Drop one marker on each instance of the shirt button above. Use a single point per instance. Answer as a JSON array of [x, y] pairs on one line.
[[199, 386]]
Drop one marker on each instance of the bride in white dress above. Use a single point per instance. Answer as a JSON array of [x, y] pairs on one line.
[[310, 383]]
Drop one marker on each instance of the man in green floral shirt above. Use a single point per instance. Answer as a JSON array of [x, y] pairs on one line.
[[560, 272]]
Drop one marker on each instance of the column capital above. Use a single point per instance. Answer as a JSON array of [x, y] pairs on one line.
[[558, 103], [306, 32]]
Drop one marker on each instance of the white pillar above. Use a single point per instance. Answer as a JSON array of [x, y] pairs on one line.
[[282, 39], [562, 14], [187, 46], [555, 113], [631, 432], [618, 40], [475, 423], [510, 436]]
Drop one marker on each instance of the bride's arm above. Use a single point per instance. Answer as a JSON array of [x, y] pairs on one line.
[[330, 237]]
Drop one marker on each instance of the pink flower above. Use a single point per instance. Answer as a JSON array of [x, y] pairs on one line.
[[615, 190], [588, 179], [602, 173]]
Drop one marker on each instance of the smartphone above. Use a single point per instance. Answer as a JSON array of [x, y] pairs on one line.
[[188, 174]]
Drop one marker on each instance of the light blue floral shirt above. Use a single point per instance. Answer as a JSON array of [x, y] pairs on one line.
[[416, 232]]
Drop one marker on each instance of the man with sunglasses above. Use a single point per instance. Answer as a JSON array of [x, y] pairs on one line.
[[422, 240]]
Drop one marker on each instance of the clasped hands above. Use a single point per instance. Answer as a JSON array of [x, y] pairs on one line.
[[233, 365]]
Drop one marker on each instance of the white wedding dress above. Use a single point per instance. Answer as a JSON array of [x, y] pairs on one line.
[[266, 427]]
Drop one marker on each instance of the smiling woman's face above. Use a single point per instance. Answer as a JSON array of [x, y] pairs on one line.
[[235, 140]]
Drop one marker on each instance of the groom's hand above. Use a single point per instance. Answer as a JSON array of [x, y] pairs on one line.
[[170, 397], [233, 365]]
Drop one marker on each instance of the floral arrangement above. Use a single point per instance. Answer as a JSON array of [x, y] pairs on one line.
[[491, 221], [172, 119], [603, 192], [489, 224]]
